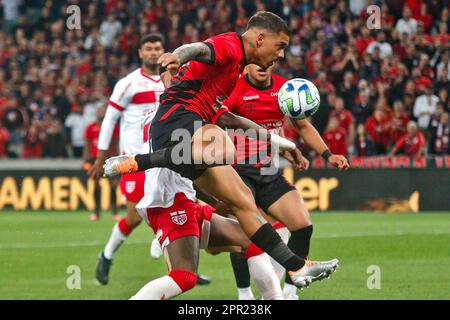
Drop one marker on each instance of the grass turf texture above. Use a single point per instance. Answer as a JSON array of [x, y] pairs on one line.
[[412, 251]]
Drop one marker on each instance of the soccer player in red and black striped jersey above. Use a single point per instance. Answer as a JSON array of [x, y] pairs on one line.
[[255, 97], [185, 138]]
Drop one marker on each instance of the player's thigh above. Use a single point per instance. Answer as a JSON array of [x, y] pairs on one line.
[[182, 254], [291, 210], [226, 232], [133, 218], [211, 145], [225, 184]]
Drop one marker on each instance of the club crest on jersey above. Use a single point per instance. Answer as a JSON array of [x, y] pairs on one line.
[[179, 217], [130, 186]]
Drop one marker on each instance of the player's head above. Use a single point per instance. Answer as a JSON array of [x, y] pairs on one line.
[[411, 128], [258, 75], [150, 49], [268, 36]]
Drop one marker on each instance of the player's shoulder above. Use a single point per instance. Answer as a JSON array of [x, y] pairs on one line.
[[126, 80], [225, 36]]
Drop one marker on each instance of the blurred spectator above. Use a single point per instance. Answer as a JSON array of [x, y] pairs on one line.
[[385, 48], [14, 119], [411, 143], [335, 137], [4, 138], [406, 24], [377, 127], [109, 29], [440, 136], [364, 108], [345, 119], [34, 140], [424, 107], [75, 125], [363, 145], [398, 122], [11, 11], [54, 144]]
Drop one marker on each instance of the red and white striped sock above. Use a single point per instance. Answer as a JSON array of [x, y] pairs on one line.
[[119, 234], [177, 282], [263, 273]]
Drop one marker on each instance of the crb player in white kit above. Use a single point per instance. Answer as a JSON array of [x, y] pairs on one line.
[[169, 207], [134, 97]]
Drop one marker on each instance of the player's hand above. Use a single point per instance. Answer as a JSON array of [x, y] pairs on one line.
[[170, 62], [96, 171], [338, 161], [295, 157]]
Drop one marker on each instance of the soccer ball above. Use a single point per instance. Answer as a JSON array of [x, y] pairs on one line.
[[298, 98]]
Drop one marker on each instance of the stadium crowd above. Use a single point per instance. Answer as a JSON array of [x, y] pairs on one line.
[[384, 91]]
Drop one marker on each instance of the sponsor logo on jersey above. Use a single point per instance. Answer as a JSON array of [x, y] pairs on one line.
[[179, 217], [130, 186], [273, 94], [246, 98]]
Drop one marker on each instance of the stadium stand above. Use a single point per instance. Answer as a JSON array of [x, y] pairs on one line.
[[373, 82]]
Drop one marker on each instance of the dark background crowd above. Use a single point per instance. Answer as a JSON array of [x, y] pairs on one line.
[[384, 90]]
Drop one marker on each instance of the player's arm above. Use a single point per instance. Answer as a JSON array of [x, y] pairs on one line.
[[197, 51], [230, 120], [315, 141]]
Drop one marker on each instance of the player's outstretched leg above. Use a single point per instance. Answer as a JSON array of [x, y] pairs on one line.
[[182, 259], [119, 234]]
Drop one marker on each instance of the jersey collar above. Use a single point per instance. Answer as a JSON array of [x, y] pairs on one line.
[[246, 78], [149, 77]]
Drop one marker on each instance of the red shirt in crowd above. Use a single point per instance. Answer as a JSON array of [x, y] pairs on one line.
[[378, 130], [398, 126], [91, 135], [4, 136], [411, 145], [336, 141], [345, 118]]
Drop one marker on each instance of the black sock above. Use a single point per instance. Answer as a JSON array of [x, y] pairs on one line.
[[97, 198], [240, 270], [159, 158], [269, 240], [299, 244], [113, 200]]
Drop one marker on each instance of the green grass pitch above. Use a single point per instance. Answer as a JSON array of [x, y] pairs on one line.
[[411, 250]]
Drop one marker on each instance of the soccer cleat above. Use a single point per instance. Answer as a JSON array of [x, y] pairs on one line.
[[102, 271], [290, 297], [202, 280], [94, 217], [123, 164], [313, 271], [155, 249]]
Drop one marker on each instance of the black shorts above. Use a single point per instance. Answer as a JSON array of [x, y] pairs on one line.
[[164, 134], [266, 189]]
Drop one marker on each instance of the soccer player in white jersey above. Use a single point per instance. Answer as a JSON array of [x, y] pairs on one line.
[[169, 208], [133, 98]]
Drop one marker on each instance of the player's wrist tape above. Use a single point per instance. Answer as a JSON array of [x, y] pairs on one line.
[[326, 154], [282, 143]]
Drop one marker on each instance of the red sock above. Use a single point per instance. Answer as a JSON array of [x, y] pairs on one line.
[[186, 280], [124, 227], [253, 251]]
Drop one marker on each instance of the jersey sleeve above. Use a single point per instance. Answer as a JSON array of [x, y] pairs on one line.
[[224, 49], [121, 96], [231, 101]]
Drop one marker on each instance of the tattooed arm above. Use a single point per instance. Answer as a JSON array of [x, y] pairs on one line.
[[197, 51]]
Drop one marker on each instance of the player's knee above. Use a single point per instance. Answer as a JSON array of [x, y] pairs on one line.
[[186, 280], [133, 221]]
